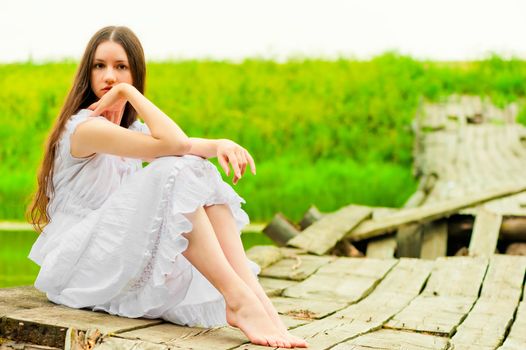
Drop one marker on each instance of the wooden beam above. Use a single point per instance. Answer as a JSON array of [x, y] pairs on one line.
[[280, 230], [485, 233], [426, 213], [323, 235], [409, 241], [434, 240]]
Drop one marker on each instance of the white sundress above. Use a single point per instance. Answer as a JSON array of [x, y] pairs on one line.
[[114, 241]]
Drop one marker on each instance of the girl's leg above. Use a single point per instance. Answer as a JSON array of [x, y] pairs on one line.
[[243, 308], [227, 234]]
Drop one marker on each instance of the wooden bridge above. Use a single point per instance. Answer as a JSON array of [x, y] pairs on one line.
[[407, 293]]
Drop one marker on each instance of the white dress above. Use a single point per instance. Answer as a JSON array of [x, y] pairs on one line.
[[114, 241]]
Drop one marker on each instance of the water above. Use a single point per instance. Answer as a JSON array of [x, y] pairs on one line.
[[17, 270]]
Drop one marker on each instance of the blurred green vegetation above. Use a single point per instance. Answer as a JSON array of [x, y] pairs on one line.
[[322, 132], [17, 270]]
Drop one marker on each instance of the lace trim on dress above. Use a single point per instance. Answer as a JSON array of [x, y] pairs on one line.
[[186, 189]]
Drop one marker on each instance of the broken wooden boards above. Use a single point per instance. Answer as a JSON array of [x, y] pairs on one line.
[[334, 302], [323, 234], [422, 231]]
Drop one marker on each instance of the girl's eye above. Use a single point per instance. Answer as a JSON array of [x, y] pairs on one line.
[[98, 65], [122, 66]]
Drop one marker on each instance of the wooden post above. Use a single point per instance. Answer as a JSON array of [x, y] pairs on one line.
[[311, 216], [280, 230], [409, 241]]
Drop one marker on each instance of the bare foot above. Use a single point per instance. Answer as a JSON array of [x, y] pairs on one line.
[[251, 318], [273, 314]]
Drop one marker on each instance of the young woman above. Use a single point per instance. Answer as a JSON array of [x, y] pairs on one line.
[[160, 241]]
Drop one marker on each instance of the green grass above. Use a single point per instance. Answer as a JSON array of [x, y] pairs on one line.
[[321, 132], [17, 270]]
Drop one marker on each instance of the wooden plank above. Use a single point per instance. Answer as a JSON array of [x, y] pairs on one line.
[[382, 248], [293, 322], [409, 241], [426, 213], [164, 333], [322, 235], [487, 323], [306, 308], [516, 339], [485, 233], [190, 337], [17, 298], [345, 280], [274, 286], [449, 295], [110, 343], [48, 325], [391, 339], [266, 255], [401, 284], [434, 240], [297, 268]]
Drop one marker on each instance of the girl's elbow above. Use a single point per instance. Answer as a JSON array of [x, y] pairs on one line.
[[186, 145], [182, 146]]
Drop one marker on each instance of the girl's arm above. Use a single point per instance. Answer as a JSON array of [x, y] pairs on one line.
[[206, 148], [100, 136], [226, 152]]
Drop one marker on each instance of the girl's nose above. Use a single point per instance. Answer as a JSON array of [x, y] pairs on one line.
[[109, 76]]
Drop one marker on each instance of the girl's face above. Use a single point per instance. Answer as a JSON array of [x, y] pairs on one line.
[[110, 67]]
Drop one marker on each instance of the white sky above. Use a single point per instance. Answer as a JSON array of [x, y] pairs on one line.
[[277, 29]]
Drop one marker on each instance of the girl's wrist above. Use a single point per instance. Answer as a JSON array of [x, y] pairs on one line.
[[124, 89]]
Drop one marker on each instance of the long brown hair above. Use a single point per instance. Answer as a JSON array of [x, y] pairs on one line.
[[81, 96]]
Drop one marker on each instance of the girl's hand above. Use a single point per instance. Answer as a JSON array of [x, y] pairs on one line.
[[111, 105], [230, 152]]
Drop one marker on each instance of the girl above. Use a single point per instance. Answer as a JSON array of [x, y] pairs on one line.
[[160, 241]]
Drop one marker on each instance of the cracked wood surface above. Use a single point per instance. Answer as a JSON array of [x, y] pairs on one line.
[[449, 295], [341, 303], [323, 234]]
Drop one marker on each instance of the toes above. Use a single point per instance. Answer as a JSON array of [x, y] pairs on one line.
[[279, 342], [285, 343], [261, 341], [271, 342], [295, 341]]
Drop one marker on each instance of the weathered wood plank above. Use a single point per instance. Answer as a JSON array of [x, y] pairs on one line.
[[306, 308], [409, 241], [297, 268], [434, 240], [111, 343], [48, 325], [164, 333], [485, 233], [401, 284], [516, 339], [383, 248], [25, 297], [390, 339], [265, 255], [274, 287], [487, 323], [449, 295], [178, 337], [345, 280], [426, 213], [323, 234]]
